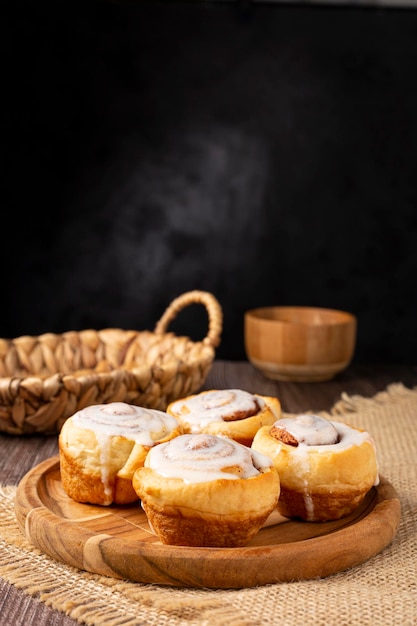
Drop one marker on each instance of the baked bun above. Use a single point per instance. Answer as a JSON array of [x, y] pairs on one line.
[[325, 468], [232, 413], [101, 446], [206, 490]]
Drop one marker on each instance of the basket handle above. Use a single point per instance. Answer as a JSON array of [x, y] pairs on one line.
[[214, 312]]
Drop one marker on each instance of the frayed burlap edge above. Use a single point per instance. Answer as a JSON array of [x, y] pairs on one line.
[[394, 393], [91, 599]]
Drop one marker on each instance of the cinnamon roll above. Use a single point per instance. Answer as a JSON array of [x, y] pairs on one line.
[[206, 490], [233, 413], [326, 468], [101, 446]]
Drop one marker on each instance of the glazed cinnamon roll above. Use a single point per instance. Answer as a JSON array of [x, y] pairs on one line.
[[206, 490], [101, 446], [233, 413], [325, 468]]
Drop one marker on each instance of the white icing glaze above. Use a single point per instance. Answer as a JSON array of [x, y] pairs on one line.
[[346, 435], [143, 426], [201, 458], [214, 406], [104, 446], [311, 430], [309, 506]]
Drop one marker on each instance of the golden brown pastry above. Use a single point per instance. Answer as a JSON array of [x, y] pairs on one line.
[[325, 468], [233, 413], [101, 446], [206, 490]]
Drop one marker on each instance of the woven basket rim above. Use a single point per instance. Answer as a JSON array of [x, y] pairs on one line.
[[207, 352], [45, 378]]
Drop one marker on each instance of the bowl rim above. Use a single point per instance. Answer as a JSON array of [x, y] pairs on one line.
[[334, 316]]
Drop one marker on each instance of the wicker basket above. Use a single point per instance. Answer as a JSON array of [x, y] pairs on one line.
[[45, 379]]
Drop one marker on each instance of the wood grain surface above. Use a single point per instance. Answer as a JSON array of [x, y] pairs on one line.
[[117, 541]]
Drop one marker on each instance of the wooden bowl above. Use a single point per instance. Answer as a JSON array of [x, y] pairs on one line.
[[298, 343]]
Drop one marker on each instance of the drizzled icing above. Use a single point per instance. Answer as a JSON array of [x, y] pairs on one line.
[[316, 433], [202, 458], [311, 430], [143, 426], [214, 406]]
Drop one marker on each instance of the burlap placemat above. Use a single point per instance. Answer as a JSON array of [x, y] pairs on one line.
[[381, 591]]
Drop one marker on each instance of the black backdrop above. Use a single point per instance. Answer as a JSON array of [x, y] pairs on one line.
[[266, 153]]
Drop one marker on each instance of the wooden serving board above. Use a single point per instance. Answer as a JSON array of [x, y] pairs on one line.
[[117, 541]]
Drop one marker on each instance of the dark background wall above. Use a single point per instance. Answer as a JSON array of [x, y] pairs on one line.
[[266, 154]]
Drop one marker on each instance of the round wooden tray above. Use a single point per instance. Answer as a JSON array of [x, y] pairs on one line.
[[117, 541]]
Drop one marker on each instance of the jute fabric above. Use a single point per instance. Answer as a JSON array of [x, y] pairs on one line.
[[382, 591]]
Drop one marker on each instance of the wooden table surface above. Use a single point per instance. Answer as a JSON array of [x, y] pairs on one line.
[[18, 454]]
